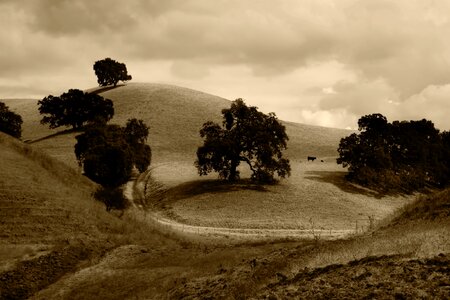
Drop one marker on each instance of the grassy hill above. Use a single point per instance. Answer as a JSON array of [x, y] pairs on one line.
[[175, 116], [49, 222], [316, 193], [58, 243], [407, 256]]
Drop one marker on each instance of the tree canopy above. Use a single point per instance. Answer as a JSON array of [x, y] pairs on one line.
[[10, 122], [109, 71], [246, 135], [404, 155], [109, 152], [75, 108]]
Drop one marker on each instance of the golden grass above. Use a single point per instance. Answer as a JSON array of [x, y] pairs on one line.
[[315, 193], [44, 202]]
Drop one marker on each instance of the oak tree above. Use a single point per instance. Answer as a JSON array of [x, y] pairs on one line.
[[75, 108], [109, 71], [248, 136], [109, 152]]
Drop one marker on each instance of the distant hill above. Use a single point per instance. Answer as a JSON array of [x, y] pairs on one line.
[[175, 116]]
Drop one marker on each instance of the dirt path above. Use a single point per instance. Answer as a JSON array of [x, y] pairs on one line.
[[134, 189]]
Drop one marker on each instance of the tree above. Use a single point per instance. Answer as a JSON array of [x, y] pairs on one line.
[[75, 108], [10, 122], [109, 71], [246, 135], [403, 155], [136, 133], [109, 152]]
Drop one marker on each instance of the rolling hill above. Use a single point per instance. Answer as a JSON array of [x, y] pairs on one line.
[[175, 116], [57, 243], [315, 195]]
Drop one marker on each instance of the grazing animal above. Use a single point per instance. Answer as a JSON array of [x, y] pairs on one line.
[[311, 158], [321, 160]]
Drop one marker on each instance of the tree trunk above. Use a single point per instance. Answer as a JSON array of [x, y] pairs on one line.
[[233, 173]]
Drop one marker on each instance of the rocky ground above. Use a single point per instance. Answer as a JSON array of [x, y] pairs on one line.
[[385, 277]]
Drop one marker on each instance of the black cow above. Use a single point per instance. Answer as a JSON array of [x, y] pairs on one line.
[[311, 158]]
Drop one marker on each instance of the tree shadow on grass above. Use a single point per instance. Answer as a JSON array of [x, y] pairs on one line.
[[214, 186], [105, 88], [62, 132], [337, 178]]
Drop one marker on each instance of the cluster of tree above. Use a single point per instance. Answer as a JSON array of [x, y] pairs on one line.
[[246, 135], [403, 155], [109, 71], [108, 153], [10, 122]]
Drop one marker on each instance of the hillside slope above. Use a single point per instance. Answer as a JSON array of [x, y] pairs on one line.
[[44, 203], [175, 116], [407, 258]]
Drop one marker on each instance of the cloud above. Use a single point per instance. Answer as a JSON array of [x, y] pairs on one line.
[[360, 98], [66, 17], [432, 103], [281, 56]]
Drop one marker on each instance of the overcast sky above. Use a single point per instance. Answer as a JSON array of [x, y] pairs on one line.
[[316, 62]]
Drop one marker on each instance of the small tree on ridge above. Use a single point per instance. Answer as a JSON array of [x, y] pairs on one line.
[[109, 71]]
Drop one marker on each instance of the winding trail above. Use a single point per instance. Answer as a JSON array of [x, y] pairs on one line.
[[134, 190]]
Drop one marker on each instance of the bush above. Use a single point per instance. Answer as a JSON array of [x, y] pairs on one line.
[[113, 198], [10, 122]]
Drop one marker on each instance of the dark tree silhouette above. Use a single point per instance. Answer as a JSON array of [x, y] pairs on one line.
[[246, 135], [109, 165], [109, 71], [109, 152], [75, 108], [405, 155], [10, 122]]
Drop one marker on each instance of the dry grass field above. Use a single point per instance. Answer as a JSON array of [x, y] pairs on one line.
[[316, 195], [56, 242]]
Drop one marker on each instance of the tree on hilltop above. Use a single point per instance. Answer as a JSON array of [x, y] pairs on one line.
[[109, 71], [10, 122], [75, 108], [246, 135]]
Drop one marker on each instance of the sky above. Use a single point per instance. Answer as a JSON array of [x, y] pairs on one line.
[[323, 62]]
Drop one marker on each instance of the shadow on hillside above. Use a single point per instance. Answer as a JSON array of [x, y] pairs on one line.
[[214, 186], [337, 178], [63, 132], [105, 88]]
